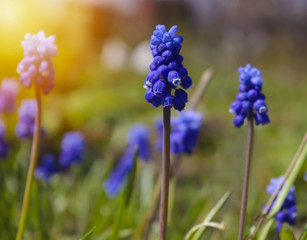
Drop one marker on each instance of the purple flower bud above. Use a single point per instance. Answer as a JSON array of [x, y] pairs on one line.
[[179, 103], [246, 108], [257, 81], [163, 71], [252, 94], [158, 61], [159, 88], [179, 59], [152, 77], [235, 107], [186, 83], [155, 40], [152, 67], [168, 55], [181, 94], [174, 78], [238, 121], [168, 101], [261, 118], [241, 96], [183, 72], [244, 87], [260, 106], [173, 65]]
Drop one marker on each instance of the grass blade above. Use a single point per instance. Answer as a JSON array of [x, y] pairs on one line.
[[88, 234], [197, 231], [265, 230]]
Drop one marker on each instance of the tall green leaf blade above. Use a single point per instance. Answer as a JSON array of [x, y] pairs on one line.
[[125, 200], [265, 230], [197, 231], [88, 234], [286, 234]]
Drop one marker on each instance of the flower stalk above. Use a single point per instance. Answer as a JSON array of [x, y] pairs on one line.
[[246, 176], [165, 172], [33, 161]]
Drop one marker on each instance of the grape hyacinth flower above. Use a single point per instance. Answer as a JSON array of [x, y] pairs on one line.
[[3, 145], [73, 149], [184, 132], [305, 176], [36, 66], [288, 210], [26, 119], [138, 136], [250, 104], [167, 71], [250, 101], [9, 90], [47, 168]]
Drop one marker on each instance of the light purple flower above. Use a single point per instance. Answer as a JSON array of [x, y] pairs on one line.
[[9, 90], [36, 66], [26, 119]]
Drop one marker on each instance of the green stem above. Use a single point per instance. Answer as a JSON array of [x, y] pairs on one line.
[[33, 160], [246, 176], [165, 173]]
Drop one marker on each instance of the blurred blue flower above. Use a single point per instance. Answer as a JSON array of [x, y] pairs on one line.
[[47, 168], [184, 132], [26, 119], [288, 210], [305, 176], [138, 136], [250, 100], [167, 71], [4, 148], [73, 149]]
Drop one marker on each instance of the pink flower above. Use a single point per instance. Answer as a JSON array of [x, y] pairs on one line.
[[9, 90], [36, 66]]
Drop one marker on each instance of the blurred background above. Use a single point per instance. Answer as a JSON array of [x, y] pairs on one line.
[[103, 59]]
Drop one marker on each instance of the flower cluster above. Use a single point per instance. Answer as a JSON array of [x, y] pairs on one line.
[[47, 168], [167, 71], [184, 132], [288, 211], [8, 92], [72, 152], [36, 66], [3, 145], [138, 136], [73, 146], [26, 119], [250, 101]]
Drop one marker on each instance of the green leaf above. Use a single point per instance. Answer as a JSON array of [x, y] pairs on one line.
[[198, 231], [286, 234], [88, 234], [304, 234], [265, 230], [125, 200], [288, 184]]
